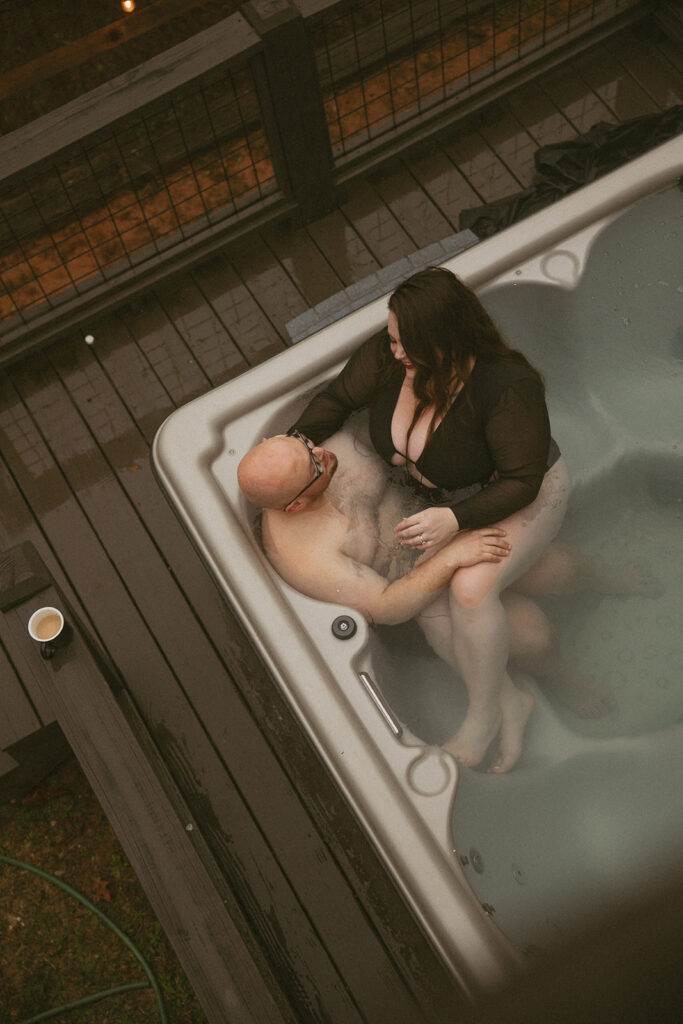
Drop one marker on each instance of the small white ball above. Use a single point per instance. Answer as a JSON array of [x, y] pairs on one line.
[[89, 339]]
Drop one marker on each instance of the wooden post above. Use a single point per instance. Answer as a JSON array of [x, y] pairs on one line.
[[292, 106]]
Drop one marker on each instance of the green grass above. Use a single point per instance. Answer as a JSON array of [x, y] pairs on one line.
[[56, 951]]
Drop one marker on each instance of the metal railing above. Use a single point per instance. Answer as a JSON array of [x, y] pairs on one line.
[[385, 63], [258, 116]]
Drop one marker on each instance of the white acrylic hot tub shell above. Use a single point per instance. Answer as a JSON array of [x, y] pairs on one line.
[[401, 791]]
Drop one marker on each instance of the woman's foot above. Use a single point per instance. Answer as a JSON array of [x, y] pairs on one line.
[[475, 736], [517, 706]]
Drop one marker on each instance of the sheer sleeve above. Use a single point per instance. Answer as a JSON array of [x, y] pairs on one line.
[[351, 390], [518, 436]]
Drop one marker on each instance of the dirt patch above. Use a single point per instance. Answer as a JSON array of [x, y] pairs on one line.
[[54, 950]]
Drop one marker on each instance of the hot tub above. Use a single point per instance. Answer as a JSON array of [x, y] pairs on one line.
[[497, 868]]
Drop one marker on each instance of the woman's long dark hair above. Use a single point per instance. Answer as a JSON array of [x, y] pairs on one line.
[[443, 326]]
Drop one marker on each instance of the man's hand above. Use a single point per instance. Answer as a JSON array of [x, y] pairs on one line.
[[486, 545]]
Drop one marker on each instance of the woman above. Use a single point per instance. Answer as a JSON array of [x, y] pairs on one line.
[[465, 416]]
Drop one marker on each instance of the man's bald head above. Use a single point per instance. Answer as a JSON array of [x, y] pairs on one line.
[[277, 469]]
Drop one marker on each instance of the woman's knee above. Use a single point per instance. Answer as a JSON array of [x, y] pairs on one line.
[[470, 586]]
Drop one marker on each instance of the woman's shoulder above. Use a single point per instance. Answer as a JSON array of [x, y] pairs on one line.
[[376, 346], [498, 374], [373, 356]]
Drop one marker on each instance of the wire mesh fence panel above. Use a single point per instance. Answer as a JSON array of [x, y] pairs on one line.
[[137, 187], [383, 63]]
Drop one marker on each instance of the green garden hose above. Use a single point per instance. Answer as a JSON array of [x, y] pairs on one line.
[[151, 980]]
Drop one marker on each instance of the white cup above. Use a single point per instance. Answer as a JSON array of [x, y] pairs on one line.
[[46, 626]]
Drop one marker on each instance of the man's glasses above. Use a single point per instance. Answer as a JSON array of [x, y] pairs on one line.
[[317, 466]]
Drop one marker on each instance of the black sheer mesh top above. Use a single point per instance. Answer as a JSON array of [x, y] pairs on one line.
[[496, 434]]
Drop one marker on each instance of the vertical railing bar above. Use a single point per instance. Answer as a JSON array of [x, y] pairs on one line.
[[441, 47], [217, 149], [188, 154], [387, 62], [323, 22], [414, 48], [24, 255], [247, 140], [95, 178], [359, 63], [132, 178]]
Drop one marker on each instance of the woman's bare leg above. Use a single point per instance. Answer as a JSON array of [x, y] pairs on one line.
[[536, 649], [480, 630], [562, 569]]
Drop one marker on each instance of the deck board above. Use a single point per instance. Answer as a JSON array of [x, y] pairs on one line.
[[646, 63], [376, 225], [268, 282], [443, 182], [543, 121], [76, 423], [18, 717], [410, 204], [342, 247], [617, 88], [509, 139], [130, 372], [165, 349], [484, 169], [230, 299], [581, 106], [307, 266], [207, 339]]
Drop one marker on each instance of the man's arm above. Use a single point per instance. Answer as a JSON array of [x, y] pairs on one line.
[[341, 580]]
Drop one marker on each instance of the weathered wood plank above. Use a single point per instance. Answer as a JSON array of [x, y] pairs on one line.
[[485, 172], [443, 182], [123, 95], [376, 225], [539, 115], [268, 282], [570, 94], [616, 87], [410, 204], [642, 59], [510, 141], [343, 249], [303, 261], [205, 336], [135, 790], [230, 299], [131, 374], [670, 49], [167, 352], [18, 716]]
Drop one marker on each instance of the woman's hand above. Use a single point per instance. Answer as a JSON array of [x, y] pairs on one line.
[[427, 530]]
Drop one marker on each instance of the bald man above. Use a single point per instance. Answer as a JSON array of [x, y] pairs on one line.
[[322, 528]]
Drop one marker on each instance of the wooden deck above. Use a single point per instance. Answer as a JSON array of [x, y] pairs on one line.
[[319, 933]]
